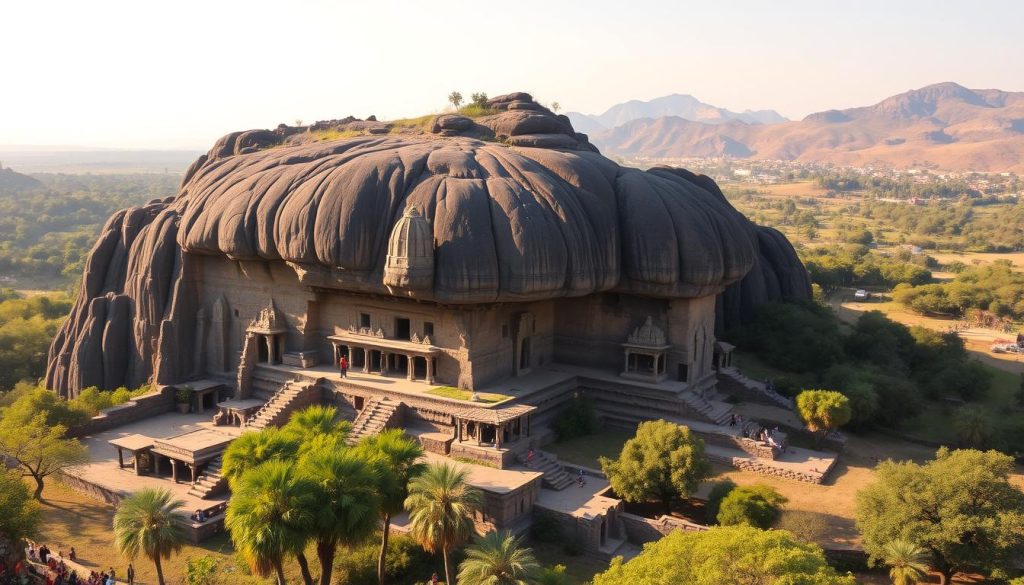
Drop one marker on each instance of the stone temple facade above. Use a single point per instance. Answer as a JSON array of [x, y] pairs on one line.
[[475, 275]]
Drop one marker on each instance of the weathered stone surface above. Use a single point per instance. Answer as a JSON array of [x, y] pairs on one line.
[[548, 218], [451, 122]]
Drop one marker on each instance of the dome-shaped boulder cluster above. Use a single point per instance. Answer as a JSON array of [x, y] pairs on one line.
[[514, 206]]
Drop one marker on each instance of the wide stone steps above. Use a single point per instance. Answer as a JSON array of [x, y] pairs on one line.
[[554, 476], [280, 406], [375, 416], [210, 481]]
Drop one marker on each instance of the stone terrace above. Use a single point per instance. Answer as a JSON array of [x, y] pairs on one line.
[[111, 482]]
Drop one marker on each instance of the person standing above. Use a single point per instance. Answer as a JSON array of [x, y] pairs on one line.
[[131, 574], [343, 366]]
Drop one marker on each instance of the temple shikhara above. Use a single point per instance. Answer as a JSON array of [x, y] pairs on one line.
[[475, 276]]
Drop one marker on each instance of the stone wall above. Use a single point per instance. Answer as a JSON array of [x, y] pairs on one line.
[[640, 530], [590, 331], [141, 408]]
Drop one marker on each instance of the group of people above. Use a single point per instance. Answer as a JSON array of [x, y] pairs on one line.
[[199, 516], [59, 573]]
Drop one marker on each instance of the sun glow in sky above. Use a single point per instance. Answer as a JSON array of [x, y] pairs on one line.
[[166, 75]]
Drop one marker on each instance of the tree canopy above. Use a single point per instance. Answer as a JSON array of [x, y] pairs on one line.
[[757, 505], [738, 555], [664, 461], [960, 507], [823, 411]]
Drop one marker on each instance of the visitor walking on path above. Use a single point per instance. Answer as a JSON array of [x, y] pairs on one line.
[[131, 574], [343, 366]]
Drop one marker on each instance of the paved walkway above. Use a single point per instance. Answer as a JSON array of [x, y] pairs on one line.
[[102, 469]]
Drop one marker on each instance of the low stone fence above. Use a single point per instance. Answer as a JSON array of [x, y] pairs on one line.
[[152, 404], [640, 530]]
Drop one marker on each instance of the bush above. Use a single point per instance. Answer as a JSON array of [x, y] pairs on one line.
[[718, 492], [553, 576], [974, 427], [201, 571], [806, 526], [755, 505], [545, 528], [577, 420], [406, 562]]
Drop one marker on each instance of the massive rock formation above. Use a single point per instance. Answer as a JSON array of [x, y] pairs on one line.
[[521, 208]]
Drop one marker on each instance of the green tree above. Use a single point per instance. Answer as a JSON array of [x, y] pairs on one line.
[[756, 505], [823, 411], [441, 506], [960, 507], [737, 555], [664, 461], [316, 421], [455, 98], [974, 427], [555, 575], [907, 562], [19, 513], [148, 522], [347, 501], [478, 99], [251, 449], [399, 455], [498, 558], [270, 516], [38, 448]]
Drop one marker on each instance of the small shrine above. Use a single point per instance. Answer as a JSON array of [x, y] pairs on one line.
[[645, 352]]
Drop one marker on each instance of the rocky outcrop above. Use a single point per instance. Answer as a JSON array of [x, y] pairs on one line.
[[519, 206], [777, 274]]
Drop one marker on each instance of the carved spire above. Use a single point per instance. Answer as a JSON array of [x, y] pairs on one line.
[[410, 260]]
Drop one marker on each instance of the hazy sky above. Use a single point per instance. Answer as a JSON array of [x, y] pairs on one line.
[[151, 74]]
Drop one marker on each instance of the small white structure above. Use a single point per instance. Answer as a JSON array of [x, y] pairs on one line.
[[861, 295]]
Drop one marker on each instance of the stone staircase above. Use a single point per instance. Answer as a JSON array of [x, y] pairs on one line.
[[292, 396], [377, 414], [210, 481], [555, 477], [713, 411]]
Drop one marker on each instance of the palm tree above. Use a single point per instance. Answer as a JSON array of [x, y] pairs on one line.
[[315, 421], [148, 522], [908, 563], [269, 516], [399, 456], [346, 489], [253, 448], [441, 506], [498, 559]]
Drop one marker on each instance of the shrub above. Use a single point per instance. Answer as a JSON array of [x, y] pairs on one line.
[[806, 526], [406, 562], [755, 505], [201, 571], [974, 427], [718, 492], [577, 420]]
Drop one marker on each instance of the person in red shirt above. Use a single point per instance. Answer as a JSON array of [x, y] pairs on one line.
[[343, 366]]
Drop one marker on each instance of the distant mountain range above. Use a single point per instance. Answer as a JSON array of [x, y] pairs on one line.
[[945, 126], [680, 105]]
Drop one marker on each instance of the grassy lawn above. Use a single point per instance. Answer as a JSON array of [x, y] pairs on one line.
[[72, 519], [585, 450], [460, 394]]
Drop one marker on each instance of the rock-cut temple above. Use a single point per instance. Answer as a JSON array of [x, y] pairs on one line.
[[475, 275]]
